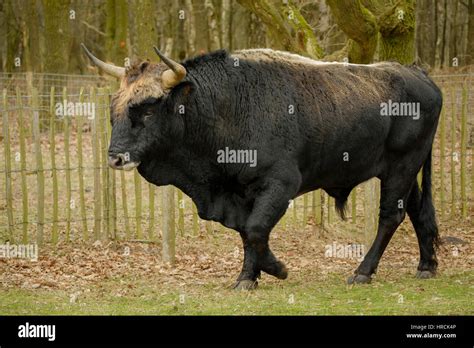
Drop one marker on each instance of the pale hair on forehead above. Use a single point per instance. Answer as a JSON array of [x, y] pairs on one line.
[[141, 81], [138, 85]]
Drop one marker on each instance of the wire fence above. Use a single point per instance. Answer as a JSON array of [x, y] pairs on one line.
[[43, 82], [58, 188]]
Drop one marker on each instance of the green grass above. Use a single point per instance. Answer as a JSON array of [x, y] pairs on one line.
[[448, 294]]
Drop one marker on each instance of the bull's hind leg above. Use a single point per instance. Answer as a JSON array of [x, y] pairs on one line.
[[393, 202], [424, 222]]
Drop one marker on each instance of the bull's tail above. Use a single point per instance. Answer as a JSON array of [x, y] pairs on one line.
[[427, 211]]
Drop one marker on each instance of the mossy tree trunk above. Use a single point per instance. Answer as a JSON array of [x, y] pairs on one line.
[[214, 39], [470, 34], [180, 30], [56, 33], [116, 29], [145, 29], [286, 26], [121, 31], [425, 40], [397, 33], [110, 29], [13, 37], [390, 23], [190, 26], [360, 25], [226, 24]]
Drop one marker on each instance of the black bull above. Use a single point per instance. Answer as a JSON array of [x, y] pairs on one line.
[[313, 125]]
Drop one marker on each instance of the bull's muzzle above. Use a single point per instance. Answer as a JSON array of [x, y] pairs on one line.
[[121, 161]]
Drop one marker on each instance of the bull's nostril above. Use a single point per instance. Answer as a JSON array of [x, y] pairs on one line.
[[115, 161], [123, 158]]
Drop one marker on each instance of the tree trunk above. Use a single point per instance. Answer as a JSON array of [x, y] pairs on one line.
[[181, 44], [121, 32], [360, 26], [13, 38], [56, 32], [145, 29], [397, 29], [214, 40], [453, 35], [425, 32], [190, 28], [470, 34], [286, 26], [200, 15], [441, 30], [110, 30], [226, 23]]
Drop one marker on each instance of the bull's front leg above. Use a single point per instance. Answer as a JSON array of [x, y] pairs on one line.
[[268, 208]]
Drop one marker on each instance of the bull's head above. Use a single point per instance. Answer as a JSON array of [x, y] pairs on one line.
[[138, 106]]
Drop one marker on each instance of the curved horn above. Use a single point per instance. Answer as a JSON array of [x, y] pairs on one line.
[[107, 68], [174, 76]]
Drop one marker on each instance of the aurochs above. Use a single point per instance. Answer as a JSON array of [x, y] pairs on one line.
[[312, 124]]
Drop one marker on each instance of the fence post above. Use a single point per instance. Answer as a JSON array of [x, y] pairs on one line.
[[181, 207], [102, 128], [96, 158], [323, 196], [463, 152], [168, 229], [331, 210], [24, 190], [209, 228], [195, 220], [110, 173], [138, 204], [151, 209], [54, 174], [354, 204], [369, 210], [317, 206], [419, 177], [305, 210], [123, 184], [453, 150], [442, 147], [8, 167], [295, 213], [66, 124], [80, 121], [39, 168]]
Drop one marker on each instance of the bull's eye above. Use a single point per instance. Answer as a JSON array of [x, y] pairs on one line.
[[147, 116]]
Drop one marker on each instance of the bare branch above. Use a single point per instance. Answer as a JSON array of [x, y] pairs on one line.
[[93, 28]]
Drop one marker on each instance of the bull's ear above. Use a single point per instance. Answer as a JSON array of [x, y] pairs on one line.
[[183, 90], [144, 65], [181, 94]]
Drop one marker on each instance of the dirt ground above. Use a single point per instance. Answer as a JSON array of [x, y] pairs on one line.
[[218, 257]]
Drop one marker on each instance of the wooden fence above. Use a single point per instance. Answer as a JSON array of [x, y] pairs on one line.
[[58, 188]]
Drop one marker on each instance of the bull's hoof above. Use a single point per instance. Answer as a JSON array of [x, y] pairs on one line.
[[276, 269], [283, 273], [425, 274], [359, 279], [245, 284]]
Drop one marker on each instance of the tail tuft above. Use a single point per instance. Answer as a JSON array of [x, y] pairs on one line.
[[427, 211], [341, 205]]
